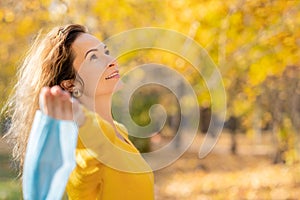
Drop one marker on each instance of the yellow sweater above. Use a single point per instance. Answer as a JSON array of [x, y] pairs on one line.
[[107, 167]]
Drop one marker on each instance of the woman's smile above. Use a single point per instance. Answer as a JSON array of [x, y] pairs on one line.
[[115, 74]]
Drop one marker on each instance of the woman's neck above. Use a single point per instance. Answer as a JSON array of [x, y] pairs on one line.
[[101, 105]]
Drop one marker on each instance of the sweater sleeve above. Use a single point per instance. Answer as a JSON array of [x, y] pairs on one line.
[[85, 181]]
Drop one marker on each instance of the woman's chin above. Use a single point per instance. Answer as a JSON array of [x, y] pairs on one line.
[[119, 85]]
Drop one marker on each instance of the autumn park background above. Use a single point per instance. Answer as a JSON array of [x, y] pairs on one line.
[[255, 46]]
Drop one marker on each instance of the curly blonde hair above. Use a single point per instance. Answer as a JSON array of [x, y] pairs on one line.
[[48, 63]]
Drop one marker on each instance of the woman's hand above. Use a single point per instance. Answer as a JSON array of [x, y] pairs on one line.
[[59, 104]]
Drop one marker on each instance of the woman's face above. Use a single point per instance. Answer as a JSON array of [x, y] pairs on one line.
[[98, 70]]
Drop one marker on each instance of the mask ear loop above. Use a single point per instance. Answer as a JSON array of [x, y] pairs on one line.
[[77, 109]]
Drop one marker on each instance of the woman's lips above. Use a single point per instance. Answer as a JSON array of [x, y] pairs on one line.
[[115, 74]]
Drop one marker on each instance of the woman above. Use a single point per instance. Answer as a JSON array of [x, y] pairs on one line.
[[67, 62]]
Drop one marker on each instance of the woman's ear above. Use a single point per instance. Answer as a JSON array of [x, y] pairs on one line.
[[67, 85]]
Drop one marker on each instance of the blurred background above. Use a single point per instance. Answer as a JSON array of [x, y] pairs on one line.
[[254, 43]]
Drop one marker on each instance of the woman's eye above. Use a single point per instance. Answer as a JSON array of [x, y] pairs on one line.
[[94, 57], [106, 52]]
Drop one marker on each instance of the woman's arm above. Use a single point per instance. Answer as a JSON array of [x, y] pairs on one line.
[[50, 153], [85, 180]]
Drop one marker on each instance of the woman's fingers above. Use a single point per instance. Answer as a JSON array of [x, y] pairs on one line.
[[44, 99], [67, 106], [58, 104]]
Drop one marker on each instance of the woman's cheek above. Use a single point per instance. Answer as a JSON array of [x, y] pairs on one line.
[[102, 87]]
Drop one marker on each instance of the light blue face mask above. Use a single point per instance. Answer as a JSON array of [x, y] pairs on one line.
[[50, 157]]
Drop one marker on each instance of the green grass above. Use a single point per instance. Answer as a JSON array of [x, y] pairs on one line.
[[10, 189], [6, 168], [10, 186]]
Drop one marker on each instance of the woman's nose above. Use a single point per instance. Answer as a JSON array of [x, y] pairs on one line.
[[113, 63]]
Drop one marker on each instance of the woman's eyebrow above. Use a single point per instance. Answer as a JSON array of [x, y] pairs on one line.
[[89, 52], [94, 49]]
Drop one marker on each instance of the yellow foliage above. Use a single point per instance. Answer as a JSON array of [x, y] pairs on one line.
[[9, 16], [25, 26], [251, 40], [257, 73], [240, 106]]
